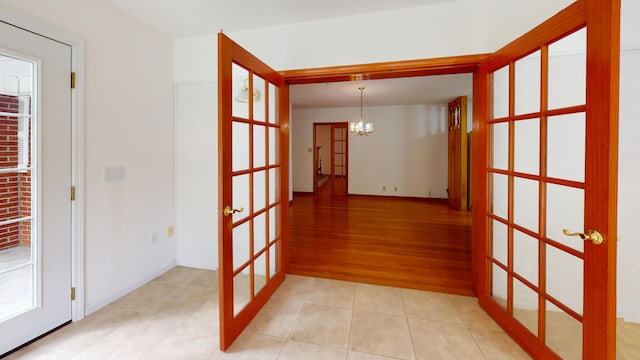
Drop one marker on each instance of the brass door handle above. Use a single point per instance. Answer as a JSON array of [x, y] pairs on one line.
[[228, 210], [592, 235]]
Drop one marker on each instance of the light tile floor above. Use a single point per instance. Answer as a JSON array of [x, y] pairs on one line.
[[176, 317], [15, 281]]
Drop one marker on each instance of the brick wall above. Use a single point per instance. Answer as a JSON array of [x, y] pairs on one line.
[[15, 188]]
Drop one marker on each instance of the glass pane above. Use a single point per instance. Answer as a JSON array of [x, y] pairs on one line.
[[259, 190], [259, 233], [500, 195], [16, 281], [565, 278], [564, 333], [273, 185], [273, 146], [527, 84], [240, 188], [272, 104], [500, 93], [241, 252], [500, 146], [274, 223], [259, 137], [525, 256], [258, 98], [568, 71], [273, 255], [18, 290], [499, 242], [565, 210], [240, 140], [525, 203], [241, 292], [240, 91], [527, 146], [566, 146], [525, 306], [260, 273], [499, 285]]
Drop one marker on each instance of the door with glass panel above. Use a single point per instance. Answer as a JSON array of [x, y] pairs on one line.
[[35, 183], [339, 159], [253, 103], [550, 104]]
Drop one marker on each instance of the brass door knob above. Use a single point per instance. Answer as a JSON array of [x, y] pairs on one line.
[[228, 210], [591, 235]]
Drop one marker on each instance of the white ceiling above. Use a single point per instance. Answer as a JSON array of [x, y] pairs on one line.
[[181, 18], [401, 91], [185, 18]]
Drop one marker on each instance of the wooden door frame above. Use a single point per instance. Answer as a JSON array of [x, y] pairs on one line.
[[411, 68]]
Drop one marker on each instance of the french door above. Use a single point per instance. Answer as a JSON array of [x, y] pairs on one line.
[[457, 154], [339, 159], [549, 105], [253, 135], [35, 185]]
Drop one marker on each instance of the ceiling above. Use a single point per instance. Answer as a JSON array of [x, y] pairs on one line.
[[202, 17], [438, 89], [186, 18]]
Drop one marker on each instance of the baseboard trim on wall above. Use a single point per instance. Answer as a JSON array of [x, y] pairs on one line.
[[97, 305]]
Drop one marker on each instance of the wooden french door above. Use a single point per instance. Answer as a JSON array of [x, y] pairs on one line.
[[339, 159], [457, 154], [253, 135], [549, 180]]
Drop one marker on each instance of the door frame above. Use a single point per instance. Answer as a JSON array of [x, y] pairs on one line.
[[411, 68], [77, 146]]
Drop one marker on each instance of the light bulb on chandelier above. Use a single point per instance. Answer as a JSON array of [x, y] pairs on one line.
[[360, 127]]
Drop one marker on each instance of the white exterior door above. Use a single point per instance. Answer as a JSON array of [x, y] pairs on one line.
[[35, 183]]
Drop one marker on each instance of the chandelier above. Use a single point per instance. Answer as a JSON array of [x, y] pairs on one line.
[[360, 127]]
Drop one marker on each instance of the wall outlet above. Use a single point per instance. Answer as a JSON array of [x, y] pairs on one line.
[[154, 237], [384, 188], [170, 231], [395, 189], [114, 173]]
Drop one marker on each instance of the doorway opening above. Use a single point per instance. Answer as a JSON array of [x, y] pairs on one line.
[[399, 169], [331, 158]]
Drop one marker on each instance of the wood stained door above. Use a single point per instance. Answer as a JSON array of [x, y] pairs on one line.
[[457, 155], [339, 159], [548, 104], [253, 135]]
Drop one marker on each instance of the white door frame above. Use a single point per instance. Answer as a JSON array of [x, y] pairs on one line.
[[77, 146]]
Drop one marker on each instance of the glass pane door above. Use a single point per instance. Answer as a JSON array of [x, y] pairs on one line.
[[339, 159], [253, 206], [536, 176]]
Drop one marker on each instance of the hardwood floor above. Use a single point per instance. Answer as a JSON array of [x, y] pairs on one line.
[[411, 243]]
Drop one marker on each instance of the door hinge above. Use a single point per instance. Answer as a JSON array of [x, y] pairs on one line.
[[73, 293], [73, 79], [73, 193]]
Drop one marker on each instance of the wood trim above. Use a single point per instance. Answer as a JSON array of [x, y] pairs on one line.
[[386, 70], [564, 22], [603, 84]]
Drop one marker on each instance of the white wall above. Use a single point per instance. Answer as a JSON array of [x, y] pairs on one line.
[[128, 122], [405, 34], [432, 31], [407, 150], [197, 175]]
